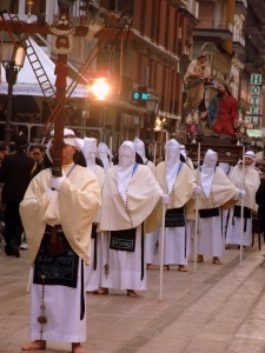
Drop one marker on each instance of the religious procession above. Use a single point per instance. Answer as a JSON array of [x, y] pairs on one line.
[[108, 196], [105, 222]]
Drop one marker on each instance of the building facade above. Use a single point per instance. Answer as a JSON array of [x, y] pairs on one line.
[[145, 46]]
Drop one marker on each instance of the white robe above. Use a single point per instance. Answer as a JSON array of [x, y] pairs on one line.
[[248, 179], [62, 310], [177, 239], [93, 276], [233, 234], [124, 268], [176, 247], [211, 240], [143, 194], [77, 205], [149, 237]]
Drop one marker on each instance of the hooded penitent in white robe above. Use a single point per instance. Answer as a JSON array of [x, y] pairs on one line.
[[246, 178], [104, 154], [217, 190], [149, 237], [140, 149], [130, 193], [74, 206], [177, 180], [94, 270]]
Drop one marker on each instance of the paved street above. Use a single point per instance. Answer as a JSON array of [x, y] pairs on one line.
[[218, 309]]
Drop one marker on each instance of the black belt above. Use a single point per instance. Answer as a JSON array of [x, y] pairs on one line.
[[94, 236], [209, 212]]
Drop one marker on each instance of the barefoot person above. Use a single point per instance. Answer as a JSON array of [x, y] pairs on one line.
[[149, 241], [94, 271], [216, 190], [130, 193], [247, 177], [57, 214], [178, 181]]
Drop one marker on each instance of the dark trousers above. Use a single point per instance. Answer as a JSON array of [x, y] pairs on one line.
[[13, 227]]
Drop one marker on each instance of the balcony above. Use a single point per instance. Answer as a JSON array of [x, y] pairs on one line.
[[239, 44], [213, 29]]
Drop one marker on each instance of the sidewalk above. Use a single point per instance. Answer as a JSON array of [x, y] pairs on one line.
[[218, 309]]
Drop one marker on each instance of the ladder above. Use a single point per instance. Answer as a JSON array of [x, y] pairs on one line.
[[38, 69]]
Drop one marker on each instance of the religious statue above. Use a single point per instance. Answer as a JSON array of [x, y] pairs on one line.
[[222, 113], [221, 116], [195, 79], [192, 126]]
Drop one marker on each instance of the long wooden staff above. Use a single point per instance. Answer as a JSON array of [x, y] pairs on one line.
[[162, 237], [154, 154], [195, 251], [242, 209]]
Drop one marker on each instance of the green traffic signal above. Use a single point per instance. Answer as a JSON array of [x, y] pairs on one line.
[[140, 96]]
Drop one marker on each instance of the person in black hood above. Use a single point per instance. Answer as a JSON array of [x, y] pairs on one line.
[[16, 172]]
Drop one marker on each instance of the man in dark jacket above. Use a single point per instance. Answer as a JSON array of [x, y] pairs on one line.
[[16, 172]]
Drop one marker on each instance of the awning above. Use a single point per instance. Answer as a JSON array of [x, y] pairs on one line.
[[27, 83]]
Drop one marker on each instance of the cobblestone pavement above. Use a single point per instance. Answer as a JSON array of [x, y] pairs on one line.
[[218, 309]]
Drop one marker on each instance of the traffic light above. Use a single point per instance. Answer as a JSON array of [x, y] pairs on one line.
[[141, 95]]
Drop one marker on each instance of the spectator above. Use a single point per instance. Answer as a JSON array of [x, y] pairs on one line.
[[37, 153], [3, 152], [16, 172]]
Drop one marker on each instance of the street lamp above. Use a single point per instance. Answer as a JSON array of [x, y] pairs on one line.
[[12, 58], [100, 88]]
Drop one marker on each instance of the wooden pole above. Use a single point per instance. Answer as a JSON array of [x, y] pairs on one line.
[[195, 251], [242, 210], [61, 71], [155, 152], [162, 239]]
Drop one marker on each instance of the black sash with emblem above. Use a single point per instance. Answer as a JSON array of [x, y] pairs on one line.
[[175, 217], [123, 240], [56, 260]]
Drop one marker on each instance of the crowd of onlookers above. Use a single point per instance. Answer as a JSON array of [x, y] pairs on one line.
[[16, 170]]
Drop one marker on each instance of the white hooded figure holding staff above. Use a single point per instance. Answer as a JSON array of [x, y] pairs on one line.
[[178, 182], [247, 178], [216, 191], [149, 238], [57, 215], [94, 271], [130, 193]]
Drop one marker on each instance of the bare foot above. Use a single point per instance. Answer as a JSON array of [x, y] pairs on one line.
[[101, 291], [200, 259], [77, 348], [38, 345], [217, 261], [132, 293], [182, 268], [151, 267]]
